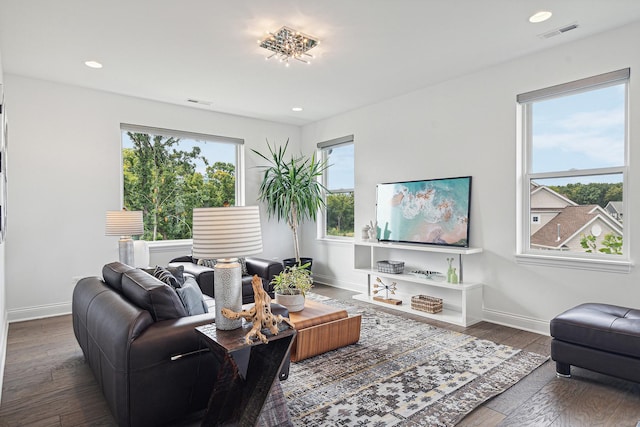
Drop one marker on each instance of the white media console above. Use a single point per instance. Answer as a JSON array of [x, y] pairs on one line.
[[462, 303]]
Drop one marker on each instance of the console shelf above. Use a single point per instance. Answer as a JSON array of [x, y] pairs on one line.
[[462, 303]]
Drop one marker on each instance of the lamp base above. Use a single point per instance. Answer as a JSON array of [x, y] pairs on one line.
[[125, 250], [227, 291]]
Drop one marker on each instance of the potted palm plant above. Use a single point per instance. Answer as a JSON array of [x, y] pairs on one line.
[[291, 285], [291, 190]]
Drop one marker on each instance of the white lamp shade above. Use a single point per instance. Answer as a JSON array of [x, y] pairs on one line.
[[229, 232], [124, 223]]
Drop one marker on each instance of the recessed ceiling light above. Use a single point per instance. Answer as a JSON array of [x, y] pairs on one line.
[[93, 64], [541, 16], [296, 109]]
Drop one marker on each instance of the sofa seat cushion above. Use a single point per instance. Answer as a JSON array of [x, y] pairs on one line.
[[150, 294], [601, 326]]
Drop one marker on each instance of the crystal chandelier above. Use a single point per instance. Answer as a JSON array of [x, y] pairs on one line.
[[288, 44]]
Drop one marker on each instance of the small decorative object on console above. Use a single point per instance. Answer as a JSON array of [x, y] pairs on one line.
[[379, 286], [260, 314], [426, 303], [449, 270], [427, 274], [373, 231], [394, 267]]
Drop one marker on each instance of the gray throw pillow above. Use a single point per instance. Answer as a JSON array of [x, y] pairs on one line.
[[207, 262], [243, 264], [167, 277], [191, 297]]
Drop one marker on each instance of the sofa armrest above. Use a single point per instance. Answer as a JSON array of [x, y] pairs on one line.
[[171, 373], [168, 340], [185, 258], [264, 268]]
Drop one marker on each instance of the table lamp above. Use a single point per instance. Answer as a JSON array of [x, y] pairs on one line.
[[124, 224], [224, 234]]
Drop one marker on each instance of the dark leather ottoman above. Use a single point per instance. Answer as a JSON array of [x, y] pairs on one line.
[[599, 337]]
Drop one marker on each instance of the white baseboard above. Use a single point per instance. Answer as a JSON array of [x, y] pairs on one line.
[[514, 321], [38, 312], [332, 281]]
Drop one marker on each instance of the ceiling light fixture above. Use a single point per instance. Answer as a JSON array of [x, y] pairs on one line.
[[296, 109], [93, 64], [288, 44], [541, 16]]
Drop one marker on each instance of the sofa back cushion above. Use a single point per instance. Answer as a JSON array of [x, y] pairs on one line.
[[192, 298], [112, 274], [150, 294]]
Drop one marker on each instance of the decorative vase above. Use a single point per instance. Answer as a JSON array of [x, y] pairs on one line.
[[293, 303], [454, 277], [449, 270], [365, 232]]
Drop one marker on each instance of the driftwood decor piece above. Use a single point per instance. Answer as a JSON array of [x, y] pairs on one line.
[[260, 314]]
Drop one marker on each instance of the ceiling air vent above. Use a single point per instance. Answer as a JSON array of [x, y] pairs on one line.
[[558, 31], [197, 101]]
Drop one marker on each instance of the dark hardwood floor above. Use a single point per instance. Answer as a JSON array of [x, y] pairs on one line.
[[46, 383]]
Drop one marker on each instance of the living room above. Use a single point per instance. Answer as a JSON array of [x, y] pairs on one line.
[[64, 165]]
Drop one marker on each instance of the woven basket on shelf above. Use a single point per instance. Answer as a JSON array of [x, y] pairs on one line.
[[426, 303], [395, 267]]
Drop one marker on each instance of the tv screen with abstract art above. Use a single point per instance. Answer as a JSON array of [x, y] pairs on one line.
[[433, 211]]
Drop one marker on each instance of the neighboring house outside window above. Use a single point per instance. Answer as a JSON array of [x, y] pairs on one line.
[[338, 178], [573, 169], [615, 209], [167, 173]]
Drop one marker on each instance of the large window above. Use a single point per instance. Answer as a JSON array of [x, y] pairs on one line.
[[338, 178], [574, 164], [167, 173]]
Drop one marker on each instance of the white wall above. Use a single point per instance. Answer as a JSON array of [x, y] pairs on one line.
[[467, 126], [66, 172], [4, 323]]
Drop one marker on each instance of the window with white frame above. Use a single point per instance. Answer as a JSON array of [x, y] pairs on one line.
[[167, 173], [573, 162], [338, 178]]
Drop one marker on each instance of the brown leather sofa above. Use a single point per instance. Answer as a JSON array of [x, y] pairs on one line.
[[600, 337], [264, 268], [142, 347]]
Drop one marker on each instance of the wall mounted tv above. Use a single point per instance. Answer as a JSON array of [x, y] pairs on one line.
[[432, 211]]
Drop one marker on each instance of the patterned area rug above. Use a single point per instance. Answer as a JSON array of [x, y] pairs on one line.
[[401, 373]]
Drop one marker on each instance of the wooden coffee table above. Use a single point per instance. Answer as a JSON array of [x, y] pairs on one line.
[[322, 328]]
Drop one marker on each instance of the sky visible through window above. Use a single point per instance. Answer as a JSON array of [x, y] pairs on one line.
[[340, 174], [581, 131]]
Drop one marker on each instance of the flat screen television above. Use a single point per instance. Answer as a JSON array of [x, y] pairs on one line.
[[431, 211]]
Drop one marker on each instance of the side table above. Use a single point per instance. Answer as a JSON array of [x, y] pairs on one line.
[[238, 395]]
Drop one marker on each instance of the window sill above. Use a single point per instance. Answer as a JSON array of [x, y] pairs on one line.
[[605, 265], [339, 240], [159, 245]]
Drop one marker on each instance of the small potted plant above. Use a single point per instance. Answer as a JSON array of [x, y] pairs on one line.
[[291, 285]]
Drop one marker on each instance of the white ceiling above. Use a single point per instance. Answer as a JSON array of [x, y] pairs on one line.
[[371, 50]]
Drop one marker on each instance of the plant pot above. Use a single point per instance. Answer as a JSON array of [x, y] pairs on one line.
[[293, 303], [290, 262]]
